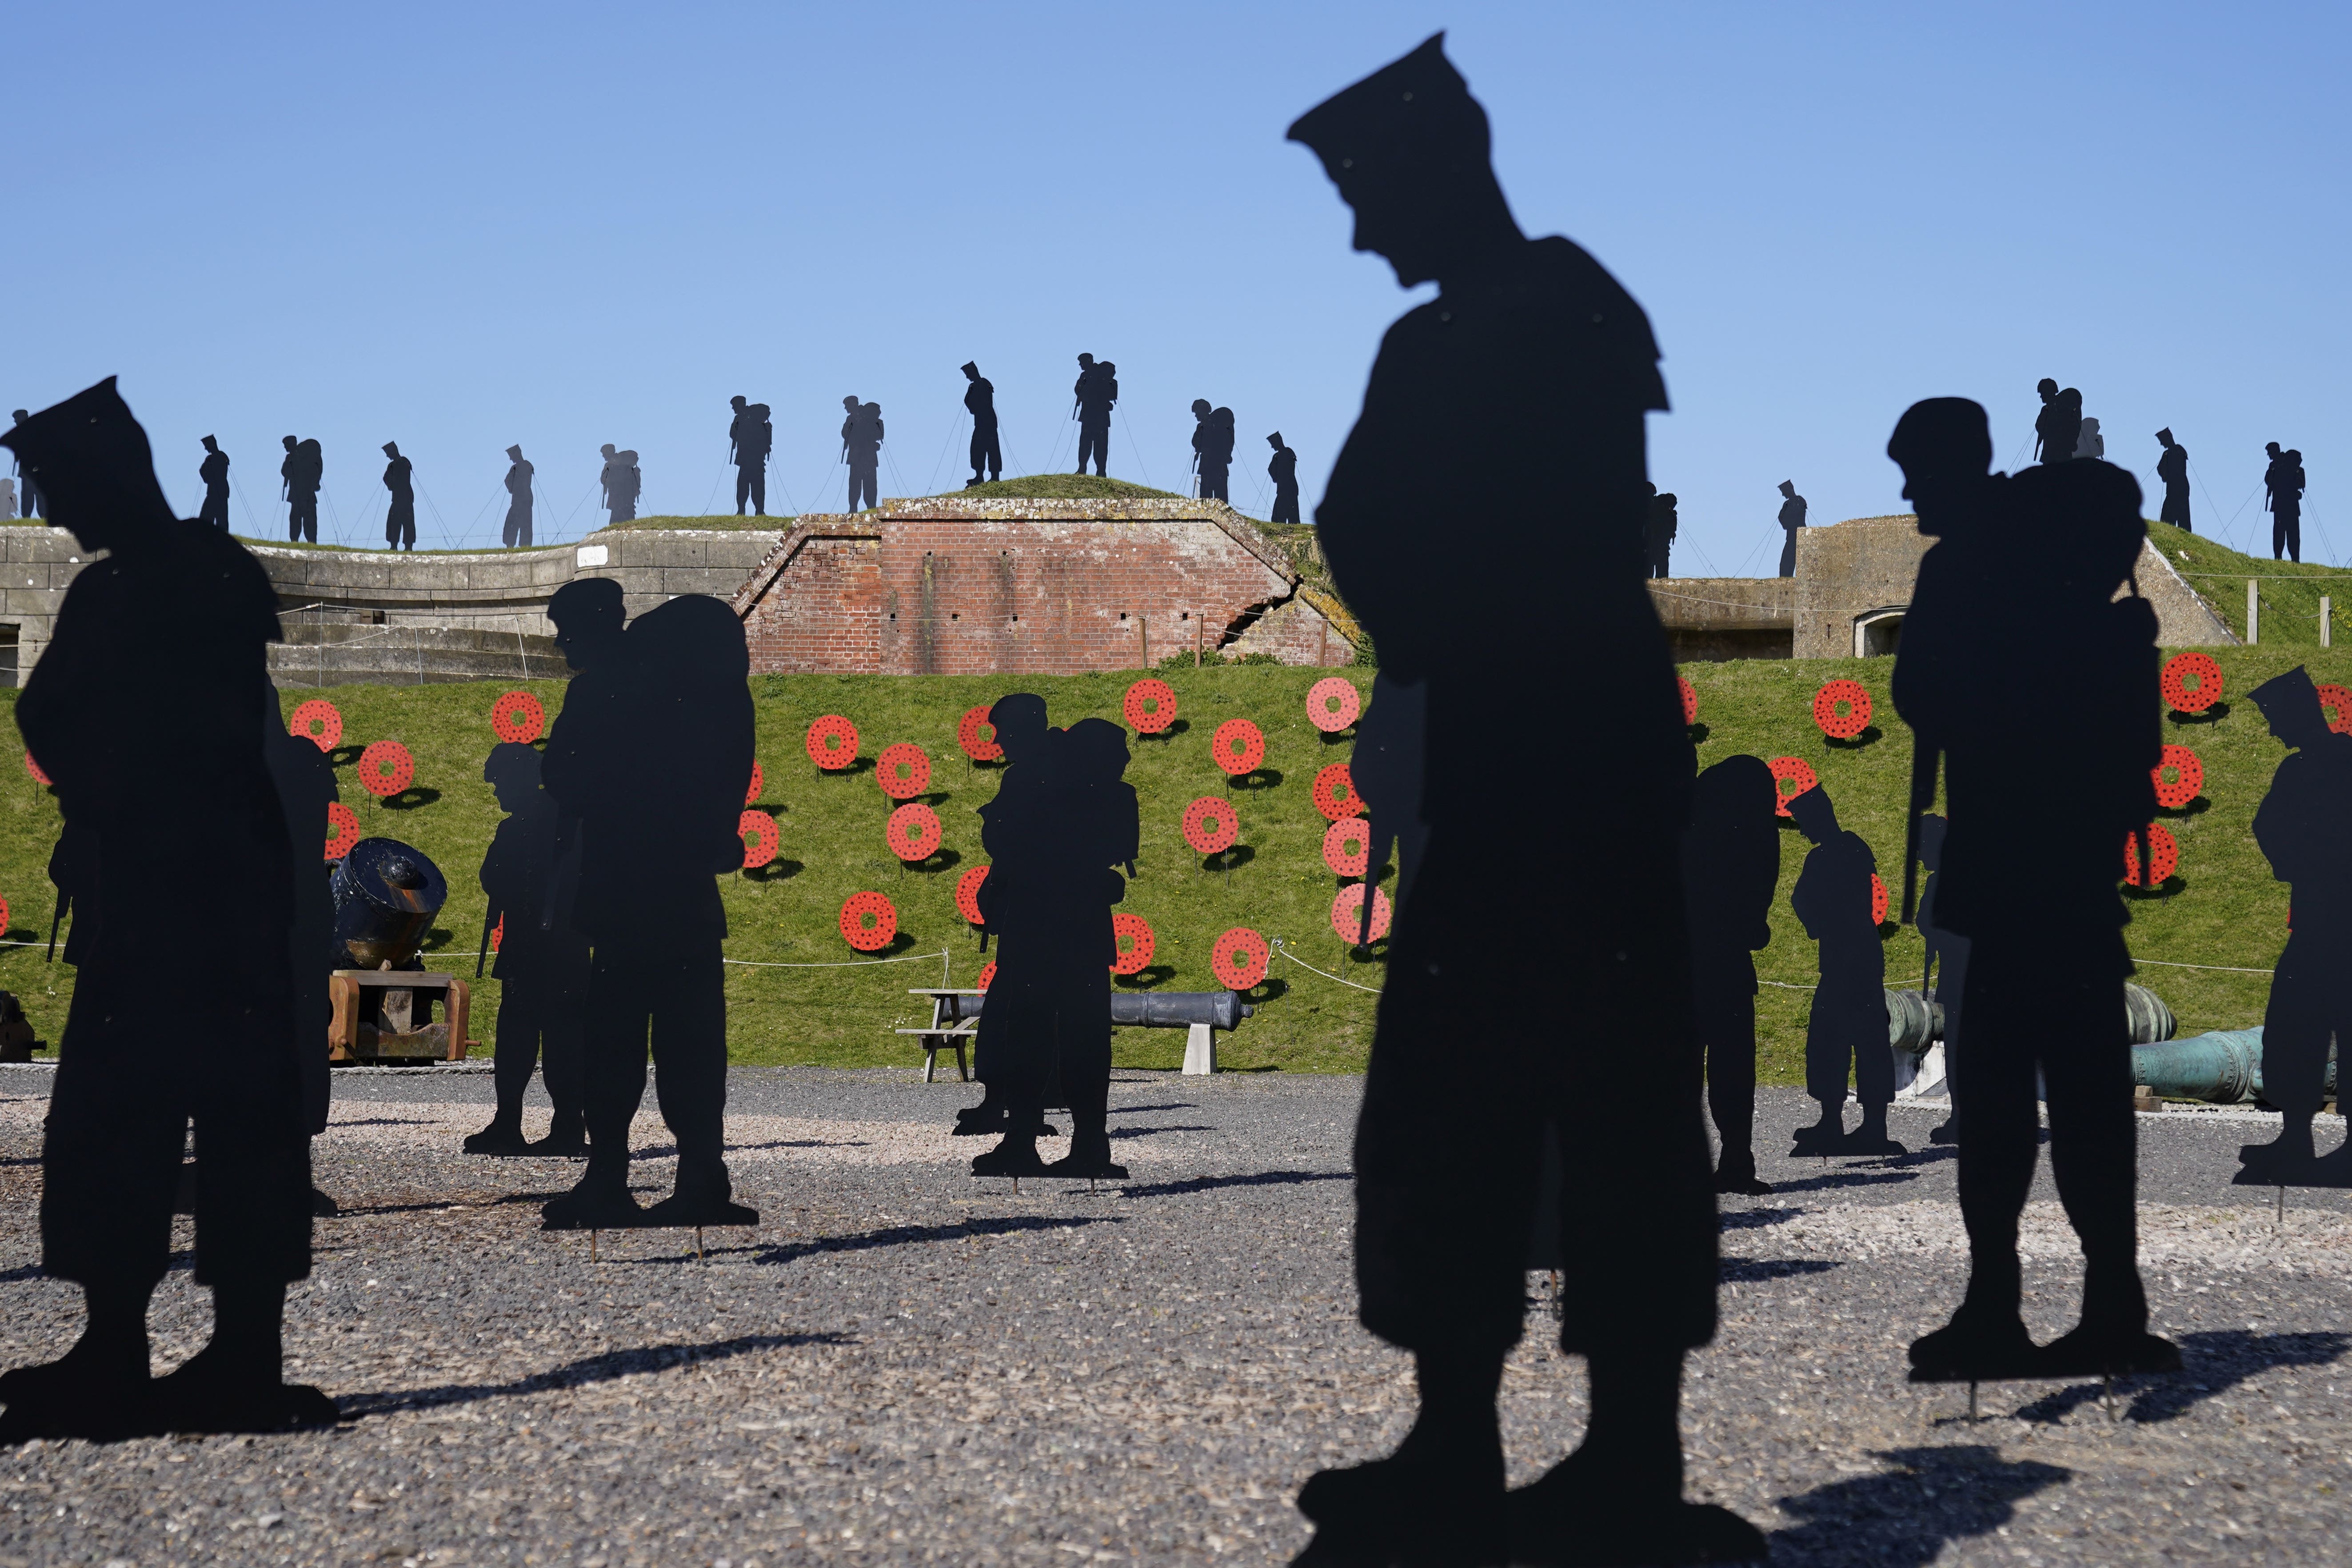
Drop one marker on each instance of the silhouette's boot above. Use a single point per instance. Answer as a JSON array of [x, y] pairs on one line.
[[1871, 1138], [985, 1120], [1986, 1338], [1947, 1131], [704, 1194], [602, 1200], [1735, 1172], [1439, 1497], [567, 1135], [1016, 1156], [502, 1136], [1089, 1152], [237, 1383], [1619, 1498], [2111, 1340], [1826, 1136], [99, 1388], [2291, 1155]]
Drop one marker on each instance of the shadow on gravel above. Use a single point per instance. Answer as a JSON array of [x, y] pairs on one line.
[[1902, 1519], [1754, 1270], [1120, 1109], [2211, 1363], [386, 1121], [1845, 1179], [1754, 1220], [1148, 1131], [1211, 1183], [576, 1374], [915, 1235]]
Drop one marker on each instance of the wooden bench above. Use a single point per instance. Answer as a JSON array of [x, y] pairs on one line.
[[951, 1028]]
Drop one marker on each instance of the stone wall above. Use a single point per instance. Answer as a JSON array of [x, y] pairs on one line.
[[951, 586], [1846, 572], [1713, 618]]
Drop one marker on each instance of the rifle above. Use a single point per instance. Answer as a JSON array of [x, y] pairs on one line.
[[65, 906], [1925, 757], [489, 918]]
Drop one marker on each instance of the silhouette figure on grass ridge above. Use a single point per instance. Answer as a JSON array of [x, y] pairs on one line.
[[131, 674], [400, 516], [621, 482], [2172, 468], [749, 438], [515, 532], [1283, 469], [979, 401], [1658, 530], [2282, 487], [1095, 395], [2029, 875], [861, 448], [1791, 518], [2305, 828], [1848, 1027], [1531, 372], [304, 470], [213, 471], [1731, 872]]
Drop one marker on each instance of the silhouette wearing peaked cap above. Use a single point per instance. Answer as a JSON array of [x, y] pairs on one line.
[[516, 534], [979, 401], [2029, 878], [1731, 872], [2305, 828], [1283, 471], [1529, 348], [400, 517], [1833, 899], [1791, 518], [2172, 467], [213, 471], [130, 669]]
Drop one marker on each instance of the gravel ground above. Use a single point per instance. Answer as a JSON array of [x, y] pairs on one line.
[[903, 1365]]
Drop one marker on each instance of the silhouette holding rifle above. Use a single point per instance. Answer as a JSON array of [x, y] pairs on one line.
[[1094, 395]]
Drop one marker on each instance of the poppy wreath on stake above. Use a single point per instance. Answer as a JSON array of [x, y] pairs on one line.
[[987, 974], [1346, 916], [1791, 776], [1348, 847], [346, 824], [4, 915], [386, 768], [518, 718], [869, 922], [913, 831], [2336, 706], [903, 771], [1239, 958], [1133, 935], [2162, 848], [832, 743], [1842, 709], [1211, 825], [1238, 747], [1877, 900], [1151, 706], [2178, 777], [761, 838], [319, 723], [759, 782], [968, 895], [33, 769], [977, 736], [1333, 704], [2192, 682], [1690, 702], [1335, 793]]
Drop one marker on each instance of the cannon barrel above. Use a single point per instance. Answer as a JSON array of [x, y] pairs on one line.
[[1152, 1009], [2225, 1066], [1913, 1020], [387, 893]]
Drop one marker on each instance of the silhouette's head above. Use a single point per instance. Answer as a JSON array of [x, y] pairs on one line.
[[1789, 489], [289, 443], [850, 403], [1931, 841], [515, 452], [2090, 426], [2271, 448], [607, 450], [1275, 440], [512, 774], [212, 443], [1086, 361], [2047, 388], [1019, 720], [2291, 703], [1091, 751], [736, 402], [93, 461], [588, 616], [391, 449], [1201, 408], [1944, 447], [1408, 147], [1737, 789], [2164, 437], [1816, 817], [971, 370], [18, 415], [1650, 488]]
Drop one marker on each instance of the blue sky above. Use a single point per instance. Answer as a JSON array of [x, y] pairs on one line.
[[465, 226]]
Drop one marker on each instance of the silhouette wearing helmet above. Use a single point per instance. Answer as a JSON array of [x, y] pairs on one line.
[[2059, 426], [303, 471], [620, 482], [1093, 394], [749, 438], [861, 448], [1660, 523], [2282, 486]]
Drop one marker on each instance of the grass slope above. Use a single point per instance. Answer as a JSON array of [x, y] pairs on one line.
[[2224, 908], [2289, 593], [1063, 486]]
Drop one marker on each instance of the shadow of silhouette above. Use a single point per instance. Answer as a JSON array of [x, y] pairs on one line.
[[1146, 978], [2213, 715], [1148, 1131], [1140, 1109], [1266, 990], [1870, 735], [1845, 1179], [344, 756], [2197, 807], [1698, 733], [1216, 1184], [2171, 886], [1262, 779], [1753, 1271], [594, 1369], [916, 1235], [410, 798], [437, 938], [1175, 728], [1938, 1495], [1754, 1220], [1226, 859], [774, 871], [938, 860]]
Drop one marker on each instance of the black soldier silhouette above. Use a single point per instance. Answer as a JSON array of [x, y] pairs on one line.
[[861, 448], [2283, 484], [2089, 443], [1283, 469], [213, 471], [305, 781], [979, 401], [516, 534], [1943, 976], [654, 767], [1212, 450], [2172, 470], [1732, 873], [2055, 429], [1792, 518], [621, 482], [749, 438], [2305, 828], [2030, 877], [1833, 899], [1660, 523], [131, 674], [542, 965], [8, 499], [1012, 823], [29, 503], [1530, 373], [1095, 395], [303, 471], [400, 517]]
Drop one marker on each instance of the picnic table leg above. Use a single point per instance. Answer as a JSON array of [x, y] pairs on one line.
[[930, 1058], [961, 1076]]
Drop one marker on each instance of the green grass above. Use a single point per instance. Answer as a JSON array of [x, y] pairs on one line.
[[1064, 487], [725, 520], [2224, 908], [2289, 593]]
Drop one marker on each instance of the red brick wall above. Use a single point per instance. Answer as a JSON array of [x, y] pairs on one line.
[[938, 595]]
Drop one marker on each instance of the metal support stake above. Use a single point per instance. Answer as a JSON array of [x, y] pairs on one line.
[[1972, 1402], [697, 1245], [592, 1247]]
